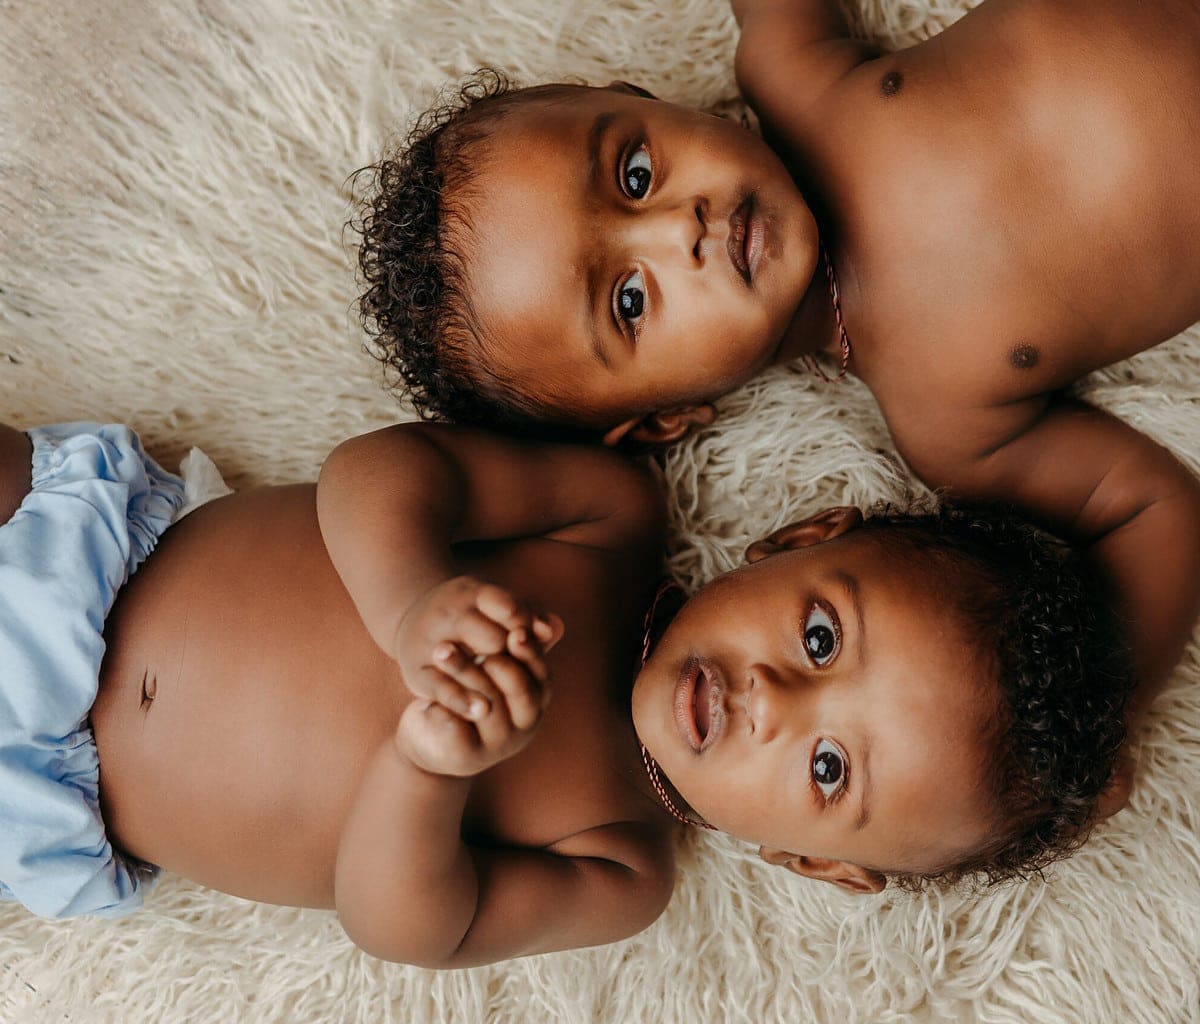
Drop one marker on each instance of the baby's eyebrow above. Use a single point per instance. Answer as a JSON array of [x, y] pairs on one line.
[[850, 585], [595, 137], [864, 790], [595, 140], [595, 330]]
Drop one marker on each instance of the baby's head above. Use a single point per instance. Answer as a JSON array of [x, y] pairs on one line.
[[574, 260], [914, 697]]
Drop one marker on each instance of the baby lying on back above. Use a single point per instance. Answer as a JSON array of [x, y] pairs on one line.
[[436, 692], [968, 225]]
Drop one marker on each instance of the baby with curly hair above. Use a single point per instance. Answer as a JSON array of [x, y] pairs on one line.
[[309, 694], [968, 225]]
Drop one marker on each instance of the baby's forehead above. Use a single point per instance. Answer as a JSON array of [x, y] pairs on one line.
[[547, 110], [564, 114]]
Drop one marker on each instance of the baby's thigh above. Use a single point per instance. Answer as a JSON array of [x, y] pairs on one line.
[[16, 461]]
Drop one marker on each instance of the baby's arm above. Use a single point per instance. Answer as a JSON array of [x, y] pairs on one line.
[[408, 887], [392, 503], [1101, 483], [791, 52]]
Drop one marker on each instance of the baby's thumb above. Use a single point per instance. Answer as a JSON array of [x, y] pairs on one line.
[[548, 629]]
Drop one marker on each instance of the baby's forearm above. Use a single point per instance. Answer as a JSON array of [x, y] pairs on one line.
[[1110, 489], [1154, 562], [406, 885]]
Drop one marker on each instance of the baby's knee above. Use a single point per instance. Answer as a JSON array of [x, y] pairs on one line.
[[16, 461]]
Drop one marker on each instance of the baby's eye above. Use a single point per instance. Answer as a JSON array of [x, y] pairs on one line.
[[631, 298], [636, 174], [821, 636], [828, 769]]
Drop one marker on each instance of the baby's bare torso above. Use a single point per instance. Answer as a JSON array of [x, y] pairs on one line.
[[1018, 199], [241, 697]]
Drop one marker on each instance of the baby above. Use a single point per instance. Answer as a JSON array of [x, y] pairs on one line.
[[968, 225], [306, 695]]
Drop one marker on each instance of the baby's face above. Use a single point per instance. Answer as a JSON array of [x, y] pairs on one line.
[[628, 255], [824, 702]]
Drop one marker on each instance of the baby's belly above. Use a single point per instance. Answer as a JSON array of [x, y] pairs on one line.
[[239, 702]]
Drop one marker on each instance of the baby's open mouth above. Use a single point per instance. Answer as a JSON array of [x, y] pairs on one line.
[[744, 241], [702, 705], [698, 709]]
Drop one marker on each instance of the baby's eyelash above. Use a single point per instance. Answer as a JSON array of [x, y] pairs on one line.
[[629, 301], [830, 760], [635, 171], [821, 634]]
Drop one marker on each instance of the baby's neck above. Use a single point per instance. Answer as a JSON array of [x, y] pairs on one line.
[[813, 328]]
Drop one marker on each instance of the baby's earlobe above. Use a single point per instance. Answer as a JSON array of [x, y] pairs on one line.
[[825, 525], [846, 876], [663, 427]]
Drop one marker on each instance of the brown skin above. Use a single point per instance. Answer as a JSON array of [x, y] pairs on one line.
[[286, 706], [1008, 206], [899, 700], [1032, 168], [247, 721], [16, 453]]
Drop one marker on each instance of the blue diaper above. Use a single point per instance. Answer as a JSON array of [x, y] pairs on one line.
[[97, 508]]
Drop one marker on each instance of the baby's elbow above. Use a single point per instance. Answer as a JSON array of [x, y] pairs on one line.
[[653, 875], [394, 941], [658, 890]]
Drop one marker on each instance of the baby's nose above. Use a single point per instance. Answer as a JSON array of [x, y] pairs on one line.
[[771, 703], [674, 232]]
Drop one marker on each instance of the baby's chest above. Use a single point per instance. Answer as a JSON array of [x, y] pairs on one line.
[[569, 780]]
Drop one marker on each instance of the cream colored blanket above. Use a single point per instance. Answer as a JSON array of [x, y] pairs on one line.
[[172, 194]]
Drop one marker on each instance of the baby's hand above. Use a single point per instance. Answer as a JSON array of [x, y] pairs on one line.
[[475, 617], [487, 709]]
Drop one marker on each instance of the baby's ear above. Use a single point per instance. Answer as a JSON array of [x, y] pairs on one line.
[[1115, 795], [844, 875], [826, 525], [660, 428]]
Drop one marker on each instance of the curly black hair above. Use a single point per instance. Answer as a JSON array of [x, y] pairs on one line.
[[1046, 621], [414, 306]]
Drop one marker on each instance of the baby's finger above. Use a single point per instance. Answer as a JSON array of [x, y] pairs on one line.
[[459, 699], [503, 607], [523, 646], [476, 631], [521, 689], [462, 685], [548, 628]]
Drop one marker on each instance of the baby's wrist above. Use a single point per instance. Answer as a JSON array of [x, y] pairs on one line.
[[408, 761]]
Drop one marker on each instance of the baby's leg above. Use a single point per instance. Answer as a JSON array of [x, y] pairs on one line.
[[16, 460]]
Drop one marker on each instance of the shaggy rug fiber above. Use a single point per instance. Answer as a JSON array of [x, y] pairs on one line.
[[173, 186]]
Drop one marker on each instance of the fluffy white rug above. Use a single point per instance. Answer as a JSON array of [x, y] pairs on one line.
[[172, 194]]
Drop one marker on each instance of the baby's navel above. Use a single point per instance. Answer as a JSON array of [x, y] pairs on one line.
[[890, 83], [1024, 357], [149, 690]]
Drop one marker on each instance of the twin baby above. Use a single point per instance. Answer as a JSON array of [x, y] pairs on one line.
[[444, 691]]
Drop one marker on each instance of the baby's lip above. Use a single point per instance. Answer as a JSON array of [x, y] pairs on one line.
[[744, 242], [699, 703]]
